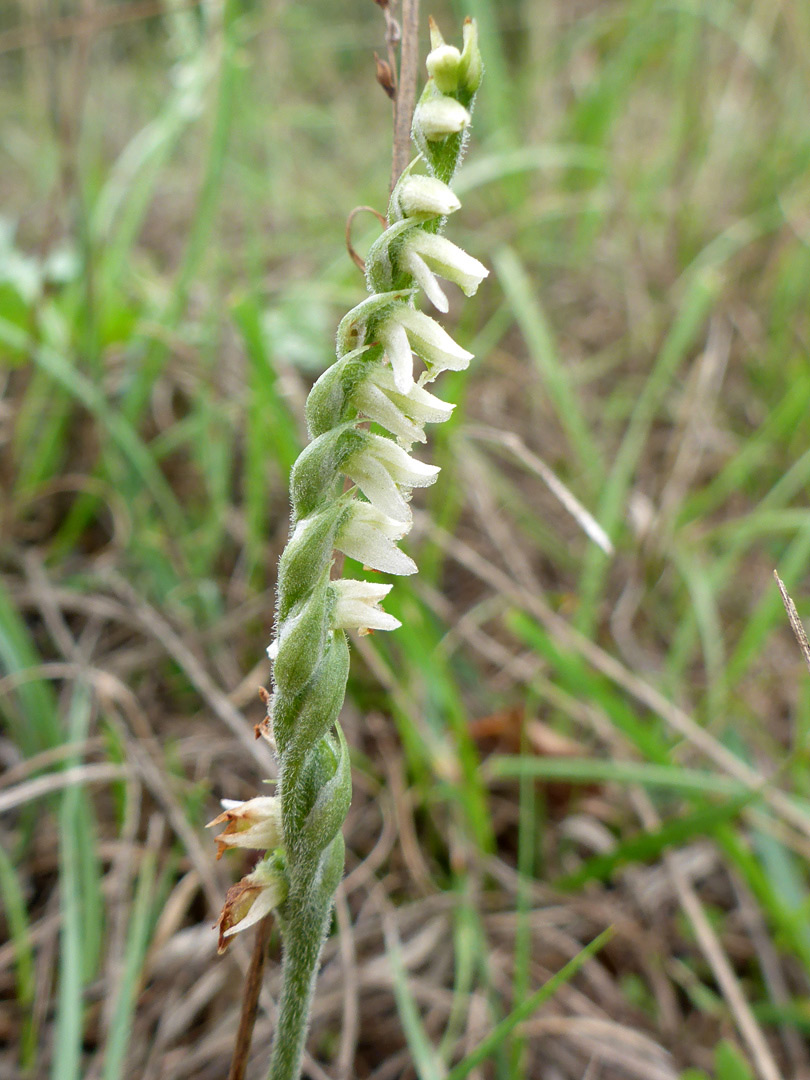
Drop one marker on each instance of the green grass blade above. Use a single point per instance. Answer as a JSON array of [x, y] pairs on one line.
[[425, 1060], [13, 902], [487, 1047], [536, 331], [140, 928], [67, 1047]]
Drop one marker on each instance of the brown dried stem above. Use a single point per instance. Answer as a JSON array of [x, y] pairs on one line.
[[250, 1002], [406, 88]]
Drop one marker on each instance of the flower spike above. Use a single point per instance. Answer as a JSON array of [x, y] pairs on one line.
[[371, 381]]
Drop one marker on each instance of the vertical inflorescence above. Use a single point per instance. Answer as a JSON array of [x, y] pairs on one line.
[[371, 380]]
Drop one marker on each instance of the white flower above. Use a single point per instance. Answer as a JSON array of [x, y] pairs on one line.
[[253, 824], [404, 415], [358, 606], [427, 254], [425, 196], [439, 117], [382, 470], [429, 340], [367, 535]]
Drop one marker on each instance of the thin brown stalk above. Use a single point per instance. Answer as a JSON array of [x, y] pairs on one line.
[[250, 1001], [406, 88]]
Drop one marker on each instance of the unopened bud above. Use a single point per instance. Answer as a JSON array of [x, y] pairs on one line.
[[440, 117], [385, 76], [443, 67]]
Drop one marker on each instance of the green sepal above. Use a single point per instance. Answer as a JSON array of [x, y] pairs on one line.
[[308, 555], [302, 637], [329, 402], [382, 271], [471, 68], [316, 770], [299, 722], [333, 800], [316, 472], [357, 327], [331, 870]]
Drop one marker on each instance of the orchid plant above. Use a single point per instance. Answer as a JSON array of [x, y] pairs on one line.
[[373, 380]]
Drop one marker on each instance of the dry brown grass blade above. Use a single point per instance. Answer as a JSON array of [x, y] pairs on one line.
[[795, 622], [157, 627], [715, 954], [98, 773]]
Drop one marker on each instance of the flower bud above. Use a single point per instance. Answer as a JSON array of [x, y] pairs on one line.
[[443, 67], [357, 606], [254, 824], [424, 197], [439, 117], [249, 900]]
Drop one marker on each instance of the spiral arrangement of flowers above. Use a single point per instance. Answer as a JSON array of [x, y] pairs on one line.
[[372, 379]]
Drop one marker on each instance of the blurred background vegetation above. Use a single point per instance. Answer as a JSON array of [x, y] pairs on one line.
[[557, 740]]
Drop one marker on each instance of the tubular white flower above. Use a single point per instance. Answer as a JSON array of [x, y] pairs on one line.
[[382, 470], [358, 606], [431, 341], [405, 470], [367, 535], [404, 415], [381, 408], [376, 483], [439, 117], [446, 259], [252, 824], [425, 197]]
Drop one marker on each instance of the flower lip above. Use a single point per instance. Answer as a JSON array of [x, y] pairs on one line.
[[357, 606], [398, 349], [425, 278]]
